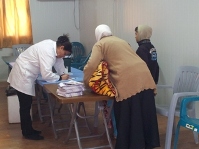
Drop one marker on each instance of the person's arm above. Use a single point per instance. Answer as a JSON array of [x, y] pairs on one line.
[[64, 77], [46, 62], [94, 60], [59, 66], [143, 55]]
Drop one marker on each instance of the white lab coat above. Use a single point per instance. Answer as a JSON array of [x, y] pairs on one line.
[[37, 59]]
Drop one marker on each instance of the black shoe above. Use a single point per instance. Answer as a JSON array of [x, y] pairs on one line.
[[34, 137], [37, 132]]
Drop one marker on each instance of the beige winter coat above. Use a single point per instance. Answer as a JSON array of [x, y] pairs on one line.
[[128, 72]]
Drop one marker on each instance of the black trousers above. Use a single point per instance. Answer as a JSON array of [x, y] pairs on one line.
[[136, 122], [25, 103]]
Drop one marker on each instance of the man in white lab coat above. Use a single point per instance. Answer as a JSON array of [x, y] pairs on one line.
[[37, 59]]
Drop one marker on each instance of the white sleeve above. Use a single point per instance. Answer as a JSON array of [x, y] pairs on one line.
[[46, 62], [59, 66]]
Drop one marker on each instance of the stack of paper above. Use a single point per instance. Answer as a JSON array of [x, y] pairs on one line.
[[70, 89]]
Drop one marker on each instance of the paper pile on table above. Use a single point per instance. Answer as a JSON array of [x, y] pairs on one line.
[[70, 89]]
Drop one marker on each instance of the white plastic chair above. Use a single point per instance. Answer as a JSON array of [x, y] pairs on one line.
[[186, 84], [19, 48]]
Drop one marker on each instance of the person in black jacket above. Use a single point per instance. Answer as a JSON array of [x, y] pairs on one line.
[[146, 50]]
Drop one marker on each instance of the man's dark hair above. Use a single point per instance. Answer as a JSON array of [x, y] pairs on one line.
[[64, 41], [136, 29]]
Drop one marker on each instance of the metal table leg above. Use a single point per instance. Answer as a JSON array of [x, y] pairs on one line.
[[81, 104], [51, 115], [38, 97], [75, 114], [96, 114], [73, 109], [105, 124]]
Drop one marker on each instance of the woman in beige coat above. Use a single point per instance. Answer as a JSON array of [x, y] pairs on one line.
[[134, 106]]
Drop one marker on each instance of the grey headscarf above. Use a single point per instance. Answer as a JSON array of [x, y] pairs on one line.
[[144, 32], [102, 31]]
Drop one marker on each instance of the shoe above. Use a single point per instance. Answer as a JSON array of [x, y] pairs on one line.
[[33, 137], [37, 132]]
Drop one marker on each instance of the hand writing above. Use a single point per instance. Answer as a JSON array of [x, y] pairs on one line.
[[64, 77]]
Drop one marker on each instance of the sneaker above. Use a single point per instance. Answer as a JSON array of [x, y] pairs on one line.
[[33, 137]]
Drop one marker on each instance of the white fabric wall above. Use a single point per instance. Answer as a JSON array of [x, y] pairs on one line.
[[50, 19], [175, 28], [92, 13]]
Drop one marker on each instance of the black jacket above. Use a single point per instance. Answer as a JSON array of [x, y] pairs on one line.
[[147, 52]]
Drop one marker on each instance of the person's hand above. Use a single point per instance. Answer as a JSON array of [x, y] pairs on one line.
[[64, 77]]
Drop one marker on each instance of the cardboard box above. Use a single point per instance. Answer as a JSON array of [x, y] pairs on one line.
[[13, 109]]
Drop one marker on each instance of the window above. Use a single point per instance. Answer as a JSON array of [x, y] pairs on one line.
[[15, 23]]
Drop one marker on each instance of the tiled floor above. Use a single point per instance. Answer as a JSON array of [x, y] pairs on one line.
[[11, 138]]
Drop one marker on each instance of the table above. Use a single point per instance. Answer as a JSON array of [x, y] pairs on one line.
[[74, 101], [76, 75]]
